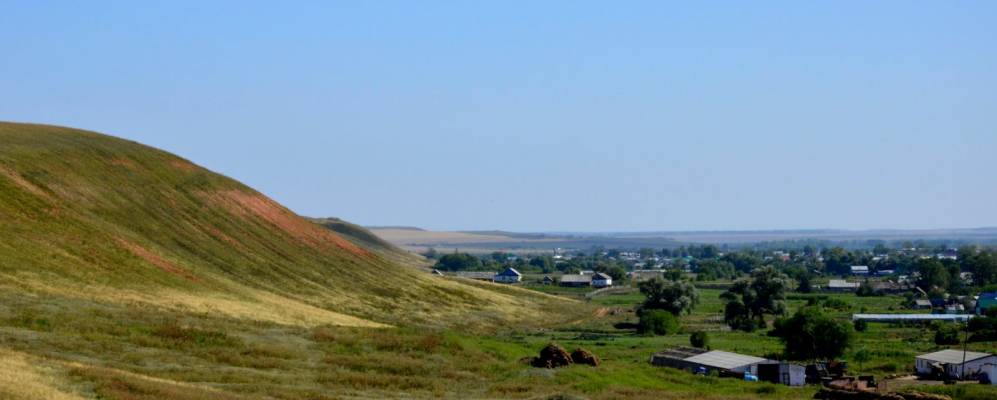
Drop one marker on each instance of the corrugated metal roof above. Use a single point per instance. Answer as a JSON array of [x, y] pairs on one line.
[[953, 356], [475, 274], [840, 283], [912, 317], [724, 360], [576, 278]]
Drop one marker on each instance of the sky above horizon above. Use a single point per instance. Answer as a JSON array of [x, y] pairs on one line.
[[542, 116]]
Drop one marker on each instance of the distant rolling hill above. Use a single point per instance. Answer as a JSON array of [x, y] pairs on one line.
[[418, 240], [368, 240], [89, 216]]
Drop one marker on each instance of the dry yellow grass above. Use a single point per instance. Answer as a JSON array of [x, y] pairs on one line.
[[239, 302], [23, 377]]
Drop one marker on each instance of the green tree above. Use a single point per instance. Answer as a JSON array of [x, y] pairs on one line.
[[803, 283], [612, 269], [946, 334], [675, 297], [543, 263], [742, 261], [983, 265], [657, 322], [862, 356], [711, 270], [699, 339], [811, 334], [750, 299], [458, 262], [861, 325], [933, 274], [838, 261]]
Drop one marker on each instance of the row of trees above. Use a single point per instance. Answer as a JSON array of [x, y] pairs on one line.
[[809, 333], [943, 275]]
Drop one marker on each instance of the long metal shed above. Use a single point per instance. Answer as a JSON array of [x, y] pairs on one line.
[[912, 317]]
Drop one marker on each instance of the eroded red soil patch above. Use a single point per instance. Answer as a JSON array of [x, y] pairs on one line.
[[182, 165], [155, 259], [123, 162], [252, 204]]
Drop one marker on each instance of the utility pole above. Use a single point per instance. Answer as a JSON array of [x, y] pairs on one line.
[[965, 342]]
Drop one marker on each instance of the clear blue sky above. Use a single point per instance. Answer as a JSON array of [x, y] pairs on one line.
[[571, 115]]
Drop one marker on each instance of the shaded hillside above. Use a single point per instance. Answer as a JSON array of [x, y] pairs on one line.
[[362, 237], [88, 216]]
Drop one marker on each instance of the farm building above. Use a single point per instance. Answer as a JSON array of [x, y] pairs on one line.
[[782, 372], [954, 363], [841, 285], [991, 371], [576, 280], [922, 304], [547, 280], [860, 270], [709, 360], [911, 317], [601, 280], [476, 275], [510, 275]]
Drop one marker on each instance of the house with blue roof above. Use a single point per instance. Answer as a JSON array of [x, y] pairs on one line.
[[510, 275], [986, 300]]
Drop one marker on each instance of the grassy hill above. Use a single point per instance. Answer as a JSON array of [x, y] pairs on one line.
[[127, 270], [362, 237]]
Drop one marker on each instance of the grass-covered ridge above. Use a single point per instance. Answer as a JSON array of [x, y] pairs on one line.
[[364, 238], [89, 216]]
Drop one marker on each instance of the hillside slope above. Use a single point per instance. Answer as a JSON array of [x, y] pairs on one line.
[[93, 217], [363, 237]]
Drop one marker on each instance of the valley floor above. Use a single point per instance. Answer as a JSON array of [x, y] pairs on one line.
[[65, 348]]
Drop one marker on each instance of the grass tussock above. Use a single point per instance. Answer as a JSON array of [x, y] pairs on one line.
[[111, 384], [23, 377]]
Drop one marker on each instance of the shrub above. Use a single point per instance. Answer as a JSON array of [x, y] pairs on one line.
[[861, 325], [699, 339], [946, 334], [837, 304], [657, 322], [865, 290], [811, 334]]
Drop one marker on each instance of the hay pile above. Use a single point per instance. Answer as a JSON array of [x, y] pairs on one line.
[[555, 356], [584, 357]]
